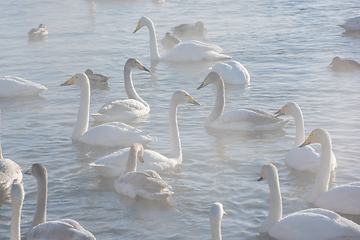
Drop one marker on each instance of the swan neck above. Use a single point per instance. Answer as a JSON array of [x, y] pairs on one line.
[[324, 171], [40, 214], [300, 130], [219, 103], [216, 229], [131, 162], [154, 53], [15, 222], [129, 87], [174, 130], [82, 123]]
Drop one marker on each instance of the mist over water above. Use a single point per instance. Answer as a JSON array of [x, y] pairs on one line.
[[286, 47]]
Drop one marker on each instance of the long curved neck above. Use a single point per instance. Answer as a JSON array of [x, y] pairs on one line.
[[15, 222], [275, 213], [323, 176], [219, 103], [131, 162], [82, 123], [154, 53], [216, 229], [40, 214], [174, 131], [299, 123], [129, 87]]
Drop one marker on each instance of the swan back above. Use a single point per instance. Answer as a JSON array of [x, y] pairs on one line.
[[232, 72], [18, 87], [216, 215]]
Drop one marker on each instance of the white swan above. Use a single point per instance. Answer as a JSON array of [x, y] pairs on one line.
[[146, 184], [343, 198], [185, 51], [109, 134], [9, 171], [352, 24], [41, 229], [309, 224], [39, 31], [17, 195], [170, 41], [113, 164], [96, 77], [19, 87], [215, 215], [232, 72], [306, 158], [189, 30], [120, 110], [249, 119]]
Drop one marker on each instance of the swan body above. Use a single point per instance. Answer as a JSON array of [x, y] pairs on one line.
[[189, 30], [170, 41], [120, 110], [232, 72], [341, 199], [215, 215], [183, 52], [96, 77], [352, 24], [306, 158], [17, 195], [39, 31], [344, 65], [147, 184], [113, 165], [249, 119], [109, 134], [19, 87], [310, 224]]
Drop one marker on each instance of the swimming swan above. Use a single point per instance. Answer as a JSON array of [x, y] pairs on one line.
[[183, 52], [170, 41], [232, 72], [344, 65], [352, 24], [39, 31], [113, 165], [9, 171], [215, 215], [17, 195], [306, 158], [55, 230], [341, 199], [120, 110], [146, 184], [189, 30], [309, 224], [96, 77], [109, 134], [249, 119], [19, 87]]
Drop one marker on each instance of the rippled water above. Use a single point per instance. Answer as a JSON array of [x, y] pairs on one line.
[[286, 47]]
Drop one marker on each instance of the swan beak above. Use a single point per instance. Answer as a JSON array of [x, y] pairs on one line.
[[69, 82], [27, 172], [261, 177], [141, 159], [307, 142], [141, 67], [280, 112], [137, 27], [193, 101], [204, 83]]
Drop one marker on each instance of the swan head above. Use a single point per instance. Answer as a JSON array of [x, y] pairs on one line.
[[335, 60], [268, 170], [212, 77], [138, 150], [200, 25], [78, 79], [182, 96], [318, 135], [287, 109], [133, 63], [216, 212], [37, 170], [17, 193], [89, 72], [142, 22]]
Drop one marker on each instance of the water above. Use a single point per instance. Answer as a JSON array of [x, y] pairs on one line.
[[286, 47]]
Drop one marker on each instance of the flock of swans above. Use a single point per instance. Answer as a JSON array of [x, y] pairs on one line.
[[142, 180]]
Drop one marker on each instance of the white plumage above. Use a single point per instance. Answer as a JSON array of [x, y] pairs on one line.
[[352, 24], [19, 87], [232, 72]]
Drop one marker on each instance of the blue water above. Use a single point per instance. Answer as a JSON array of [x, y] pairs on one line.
[[286, 47]]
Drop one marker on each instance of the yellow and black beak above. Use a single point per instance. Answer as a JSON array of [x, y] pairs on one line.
[[307, 142], [261, 177], [69, 82], [193, 101], [137, 27], [141, 159], [204, 83], [280, 112], [141, 67]]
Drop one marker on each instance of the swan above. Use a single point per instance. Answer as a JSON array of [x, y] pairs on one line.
[[310, 224], [232, 72], [96, 77], [41, 229], [19, 87], [352, 24], [344, 65], [249, 119], [185, 51], [109, 134], [216, 214], [341, 199], [146, 184], [120, 110], [9, 171], [39, 31], [113, 164], [189, 30], [17, 195], [306, 158], [170, 41]]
